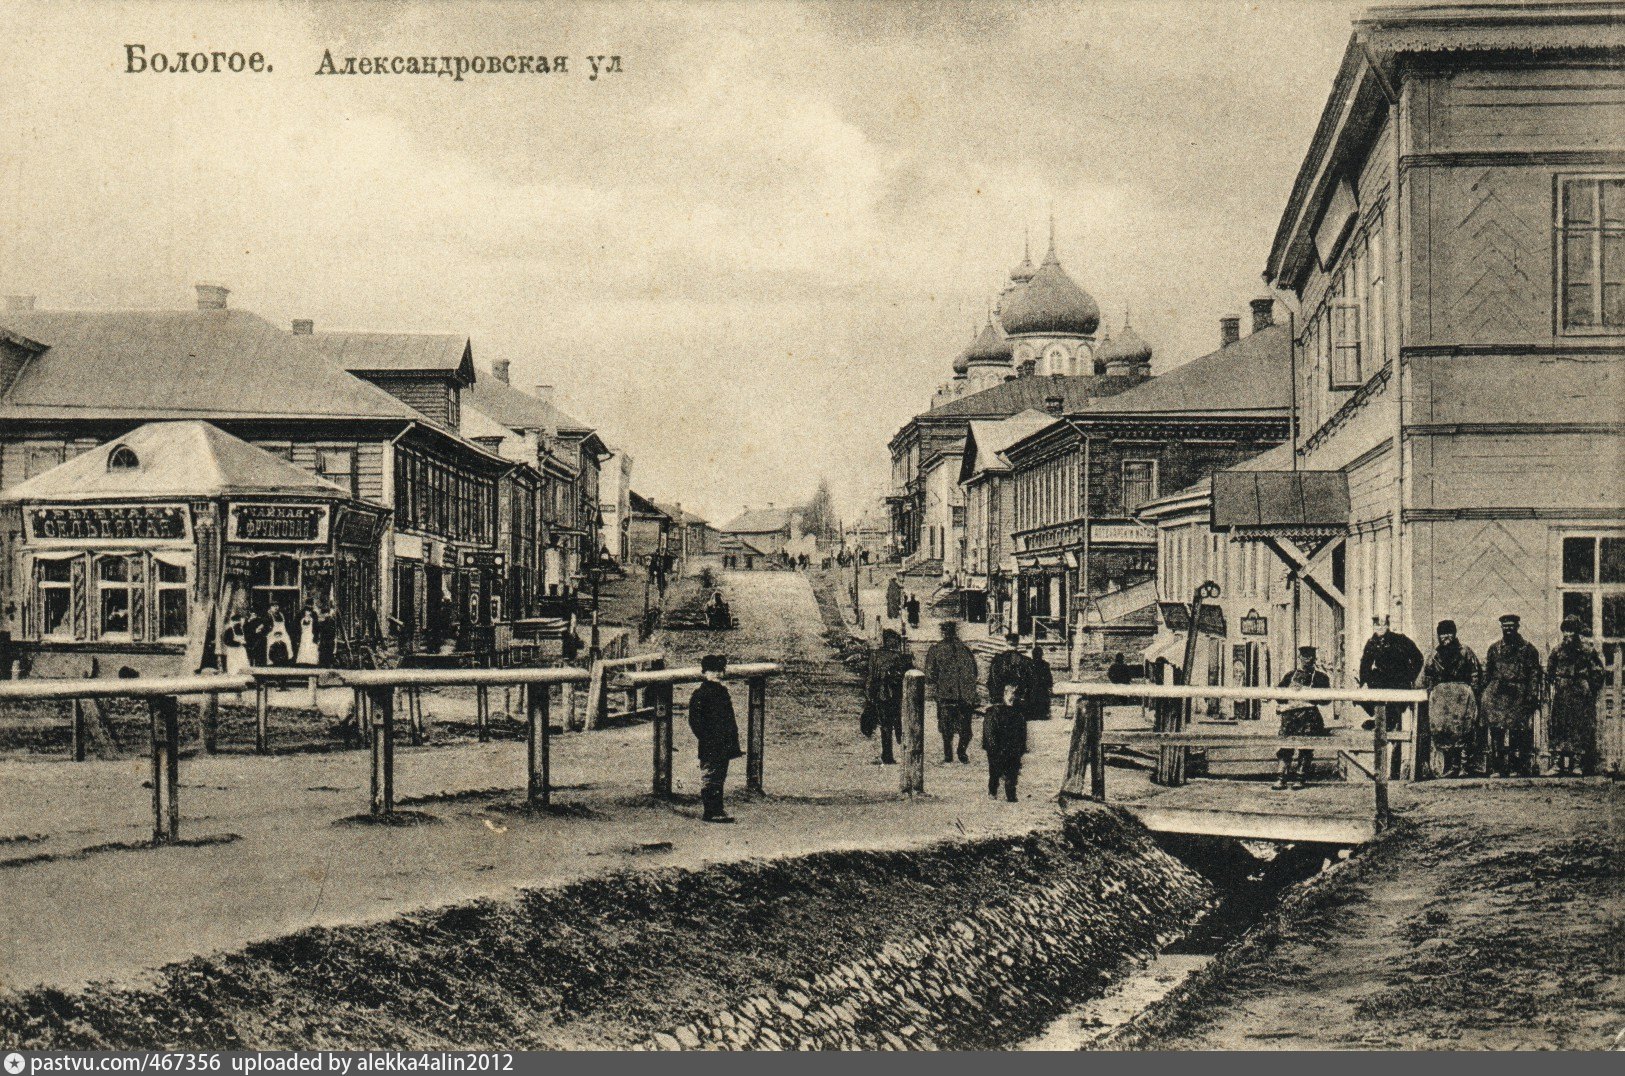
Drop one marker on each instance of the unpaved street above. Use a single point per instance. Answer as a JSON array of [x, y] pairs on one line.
[[71, 918]]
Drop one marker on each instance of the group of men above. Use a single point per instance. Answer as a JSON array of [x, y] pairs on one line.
[[1482, 715], [1019, 687]]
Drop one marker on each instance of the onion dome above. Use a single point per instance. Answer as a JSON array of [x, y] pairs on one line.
[[962, 361], [1024, 272], [1050, 303], [989, 348], [1127, 346]]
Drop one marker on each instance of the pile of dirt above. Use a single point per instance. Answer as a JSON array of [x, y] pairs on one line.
[[997, 935]]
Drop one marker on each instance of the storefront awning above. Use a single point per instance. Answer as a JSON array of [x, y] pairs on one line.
[[1284, 502]]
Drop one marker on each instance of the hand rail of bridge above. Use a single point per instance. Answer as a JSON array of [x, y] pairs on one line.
[[690, 674], [1087, 753], [658, 684], [107, 687]]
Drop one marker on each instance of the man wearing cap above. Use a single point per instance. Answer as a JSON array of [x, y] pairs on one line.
[[1300, 718], [1009, 667], [1576, 676], [950, 673], [883, 693], [1513, 679], [711, 717], [1390, 661], [1452, 678]]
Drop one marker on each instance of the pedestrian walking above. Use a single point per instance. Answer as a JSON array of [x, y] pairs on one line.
[[1453, 678], [1513, 680], [1040, 686], [883, 694], [711, 718], [913, 606], [1576, 676], [1390, 661], [1004, 738], [950, 673], [1300, 718], [894, 599], [1009, 666]]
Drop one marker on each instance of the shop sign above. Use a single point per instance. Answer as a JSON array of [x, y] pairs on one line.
[[1123, 534], [1254, 623], [483, 558], [318, 571], [239, 564], [123, 523], [354, 529], [285, 524]]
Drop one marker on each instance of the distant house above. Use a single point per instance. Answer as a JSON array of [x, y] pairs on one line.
[[762, 532], [649, 529], [692, 536]]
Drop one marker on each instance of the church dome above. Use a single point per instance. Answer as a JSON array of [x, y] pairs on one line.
[[1050, 303], [989, 348], [962, 360], [1126, 346]]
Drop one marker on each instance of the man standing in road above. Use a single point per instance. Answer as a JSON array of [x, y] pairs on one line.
[[1452, 678], [950, 673], [1004, 738], [1576, 676], [1390, 661], [1513, 681], [1040, 686], [894, 599], [1300, 718], [883, 693], [711, 717], [1008, 667]]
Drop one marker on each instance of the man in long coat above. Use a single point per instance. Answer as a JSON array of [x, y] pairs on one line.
[[950, 673], [1040, 685], [711, 718], [1008, 667], [894, 599], [1390, 661], [1576, 676], [883, 693], [1513, 681], [1452, 678], [1004, 738]]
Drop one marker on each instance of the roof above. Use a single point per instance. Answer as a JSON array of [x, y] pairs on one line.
[[759, 521], [732, 543], [519, 410], [1250, 377], [1029, 393], [1050, 303], [987, 440], [1281, 500], [680, 515], [404, 353], [176, 459], [1196, 495], [643, 506], [179, 364]]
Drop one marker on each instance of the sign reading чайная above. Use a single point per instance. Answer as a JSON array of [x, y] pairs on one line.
[[296, 524], [109, 523]]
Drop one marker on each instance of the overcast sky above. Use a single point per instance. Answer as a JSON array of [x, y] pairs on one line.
[[747, 259]]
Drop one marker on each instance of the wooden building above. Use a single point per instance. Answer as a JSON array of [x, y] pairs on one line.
[[990, 563], [1455, 239]]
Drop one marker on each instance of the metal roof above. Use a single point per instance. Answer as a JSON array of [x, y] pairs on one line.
[[1251, 376], [386, 352], [1282, 500]]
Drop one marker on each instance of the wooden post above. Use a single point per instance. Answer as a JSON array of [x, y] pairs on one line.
[[756, 734], [1422, 744], [414, 702], [315, 698], [482, 707], [166, 822], [567, 706], [1379, 758], [911, 775], [209, 712], [662, 740], [1084, 753], [383, 751], [1095, 715], [262, 718], [78, 730], [538, 779], [595, 695]]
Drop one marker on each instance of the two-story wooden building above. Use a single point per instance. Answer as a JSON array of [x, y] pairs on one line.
[[1455, 240], [990, 564]]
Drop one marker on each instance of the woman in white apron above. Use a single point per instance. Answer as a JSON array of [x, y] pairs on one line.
[[309, 652], [234, 642], [278, 644]]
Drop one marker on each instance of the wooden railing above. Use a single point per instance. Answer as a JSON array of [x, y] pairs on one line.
[[658, 685]]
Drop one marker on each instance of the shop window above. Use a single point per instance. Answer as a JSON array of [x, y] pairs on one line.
[[1591, 255], [113, 597], [55, 598], [169, 580], [1593, 587], [337, 465]]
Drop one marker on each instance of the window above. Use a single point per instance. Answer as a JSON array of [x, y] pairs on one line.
[[1591, 255], [123, 458], [41, 458], [55, 598], [337, 465], [1376, 337], [1345, 344], [113, 596], [1139, 483], [1593, 587], [170, 582]]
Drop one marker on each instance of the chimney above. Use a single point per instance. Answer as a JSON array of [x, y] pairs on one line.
[[1229, 331], [544, 393], [499, 370], [1263, 312], [303, 327], [212, 296], [16, 304], [1055, 404]]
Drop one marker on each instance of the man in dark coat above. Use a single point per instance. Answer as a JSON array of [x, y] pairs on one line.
[[1040, 686], [1452, 678], [1513, 682], [1008, 667], [883, 693], [1300, 718], [950, 673], [894, 598], [711, 717], [913, 607], [1576, 676], [1004, 738], [255, 630], [1390, 661]]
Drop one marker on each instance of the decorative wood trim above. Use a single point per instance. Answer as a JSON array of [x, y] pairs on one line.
[[1513, 158], [1448, 515], [1455, 429], [1346, 411], [1577, 347]]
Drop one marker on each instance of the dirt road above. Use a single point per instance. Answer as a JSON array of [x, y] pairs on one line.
[[293, 862]]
